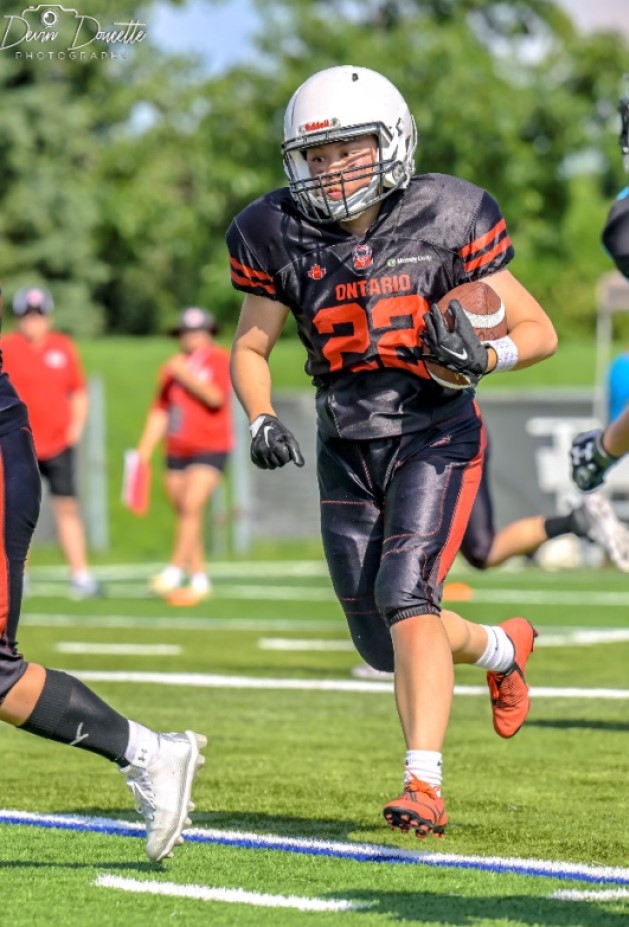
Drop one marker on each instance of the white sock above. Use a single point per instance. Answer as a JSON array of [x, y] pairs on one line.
[[143, 745], [426, 765], [499, 653], [83, 577], [200, 582], [172, 575]]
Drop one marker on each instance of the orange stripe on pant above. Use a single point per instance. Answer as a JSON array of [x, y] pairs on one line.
[[467, 495]]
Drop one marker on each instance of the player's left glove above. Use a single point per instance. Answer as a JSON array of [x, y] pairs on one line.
[[272, 444], [590, 461], [461, 349]]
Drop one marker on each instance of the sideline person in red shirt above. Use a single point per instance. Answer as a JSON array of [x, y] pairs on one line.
[[46, 371], [192, 414]]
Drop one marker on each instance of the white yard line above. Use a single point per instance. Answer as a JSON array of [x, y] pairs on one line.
[[323, 593], [603, 895], [299, 645], [229, 895], [214, 681], [552, 637], [572, 638], [119, 650]]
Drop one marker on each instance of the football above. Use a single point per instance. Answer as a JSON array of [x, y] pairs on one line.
[[486, 312]]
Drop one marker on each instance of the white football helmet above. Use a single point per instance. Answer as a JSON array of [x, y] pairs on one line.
[[335, 105]]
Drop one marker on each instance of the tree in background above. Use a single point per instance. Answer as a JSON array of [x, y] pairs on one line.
[[121, 176]]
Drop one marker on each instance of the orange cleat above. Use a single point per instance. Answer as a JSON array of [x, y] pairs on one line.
[[508, 692], [186, 597], [419, 809]]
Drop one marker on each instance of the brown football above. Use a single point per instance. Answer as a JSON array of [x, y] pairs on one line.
[[486, 312]]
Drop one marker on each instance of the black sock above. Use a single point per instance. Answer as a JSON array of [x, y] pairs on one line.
[[70, 713], [561, 524]]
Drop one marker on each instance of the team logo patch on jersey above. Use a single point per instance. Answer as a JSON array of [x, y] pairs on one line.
[[362, 257], [317, 272]]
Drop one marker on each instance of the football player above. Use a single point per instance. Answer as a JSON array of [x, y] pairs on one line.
[[359, 249], [594, 452], [159, 768], [593, 518]]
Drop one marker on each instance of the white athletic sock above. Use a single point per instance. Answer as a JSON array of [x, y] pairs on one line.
[[172, 575], [143, 745], [82, 577], [499, 653], [426, 765], [200, 582]]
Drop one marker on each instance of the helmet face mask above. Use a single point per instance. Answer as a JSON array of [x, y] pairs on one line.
[[337, 105]]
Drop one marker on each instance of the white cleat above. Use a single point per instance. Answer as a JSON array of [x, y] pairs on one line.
[[605, 529], [162, 790]]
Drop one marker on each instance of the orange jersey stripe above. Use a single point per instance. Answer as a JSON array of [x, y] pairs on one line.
[[479, 243], [4, 578], [489, 256], [253, 284], [249, 271]]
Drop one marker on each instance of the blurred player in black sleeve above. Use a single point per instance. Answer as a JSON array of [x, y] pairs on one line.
[[359, 250], [593, 453], [159, 768]]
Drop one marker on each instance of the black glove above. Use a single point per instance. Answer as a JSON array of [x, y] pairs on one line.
[[272, 444], [460, 350], [590, 461]]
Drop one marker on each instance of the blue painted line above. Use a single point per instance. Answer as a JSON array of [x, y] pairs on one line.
[[362, 853]]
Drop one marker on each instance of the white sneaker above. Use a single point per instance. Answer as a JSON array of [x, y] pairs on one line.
[[605, 529], [162, 790], [163, 583], [88, 588]]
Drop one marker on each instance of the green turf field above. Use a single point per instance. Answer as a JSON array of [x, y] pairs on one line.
[[302, 757]]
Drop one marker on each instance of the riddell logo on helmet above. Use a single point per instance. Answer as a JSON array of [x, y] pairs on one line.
[[318, 124]]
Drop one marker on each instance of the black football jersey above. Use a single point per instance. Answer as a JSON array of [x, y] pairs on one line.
[[359, 302], [616, 232]]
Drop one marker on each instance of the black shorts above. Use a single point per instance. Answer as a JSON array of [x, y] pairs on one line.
[[393, 515], [217, 460], [60, 473]]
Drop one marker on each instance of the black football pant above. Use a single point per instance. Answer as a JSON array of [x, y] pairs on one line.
[[20, 496], [393, 514]]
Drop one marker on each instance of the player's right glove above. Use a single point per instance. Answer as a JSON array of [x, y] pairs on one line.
[[590, 460], [272, 444], [460, 350]]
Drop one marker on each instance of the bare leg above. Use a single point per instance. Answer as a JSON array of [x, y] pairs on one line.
[[521, 537], [467, 640], [190, 491], [70, 531], [424, 680], [22, 698]]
